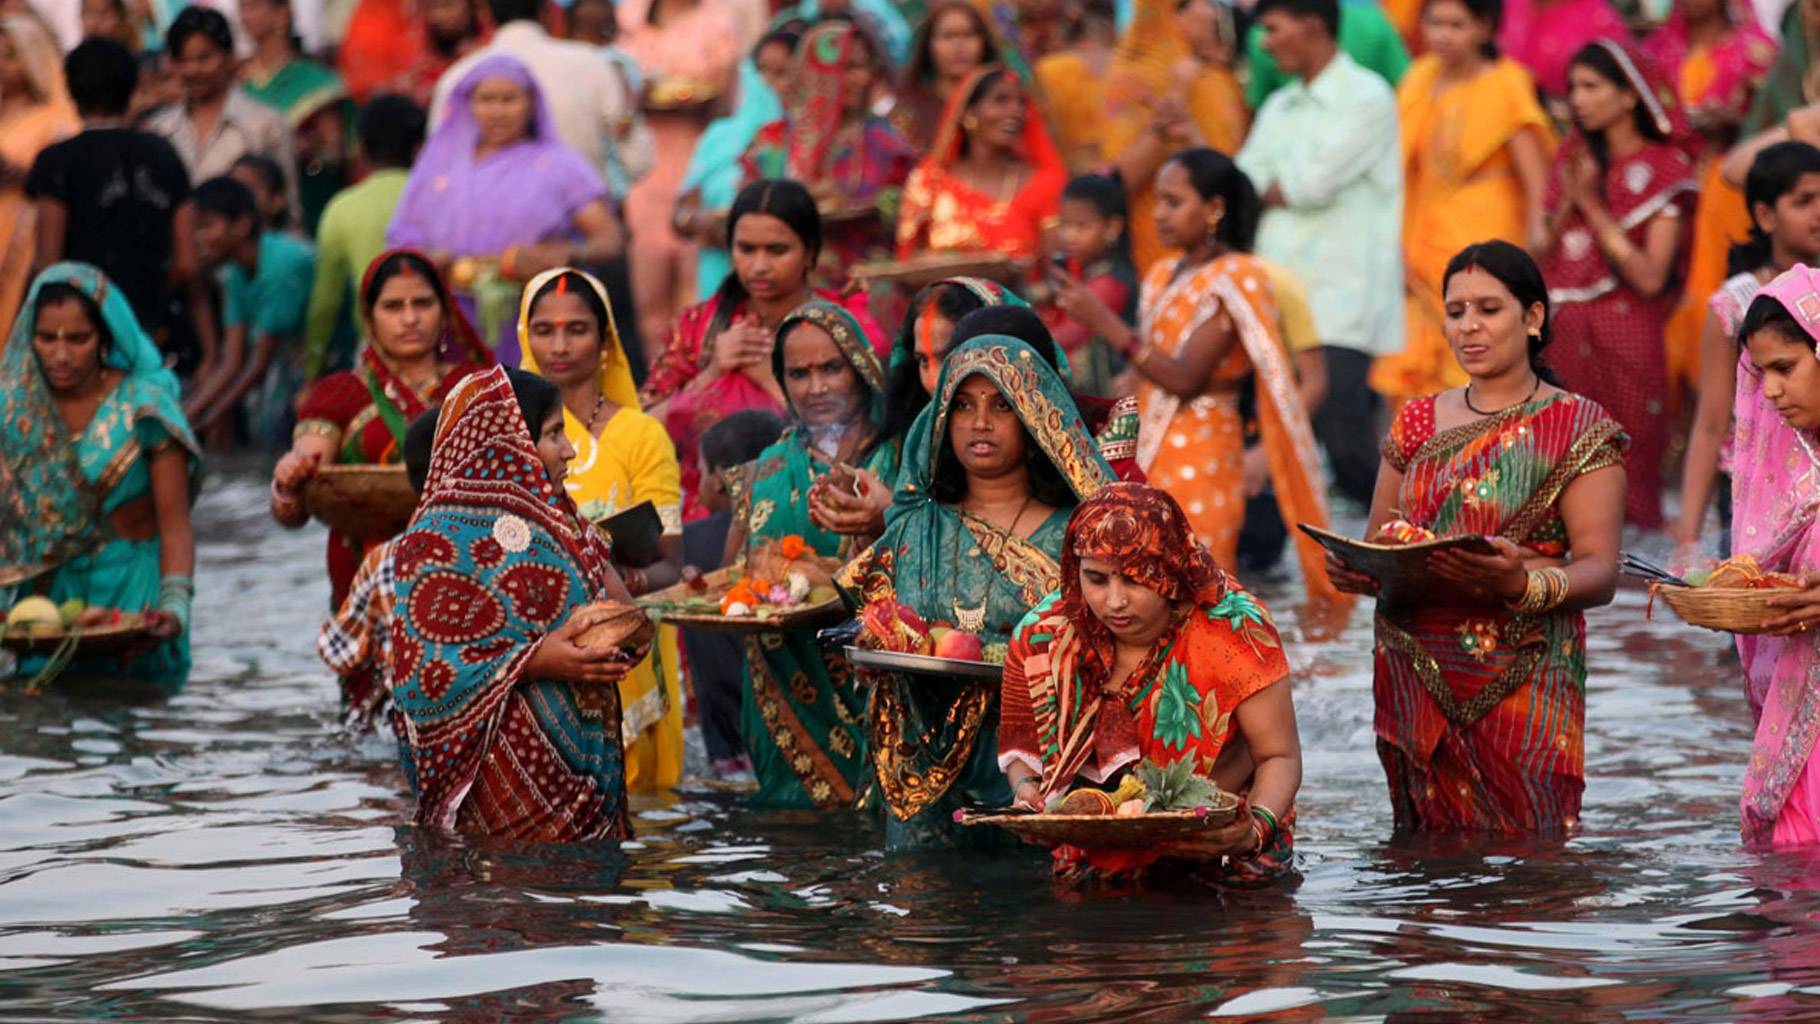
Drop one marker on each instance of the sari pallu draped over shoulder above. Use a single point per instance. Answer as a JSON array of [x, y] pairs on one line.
[[1479, 711], [1176, 444], [803, 720], [1776, 519], [948, 565], [1058, 716], [496, 558], [55, 489]]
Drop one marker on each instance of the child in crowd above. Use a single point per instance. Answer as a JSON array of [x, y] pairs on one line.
[[714, 658], [357, 643], [265, 179], [1096, 252], [264, 278]]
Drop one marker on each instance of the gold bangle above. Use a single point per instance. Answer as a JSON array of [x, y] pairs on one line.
[[1543, 591]]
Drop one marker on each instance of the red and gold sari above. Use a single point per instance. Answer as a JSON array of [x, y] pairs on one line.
[[1060, 716], [1480, 711], [942, 213], [364, 413]]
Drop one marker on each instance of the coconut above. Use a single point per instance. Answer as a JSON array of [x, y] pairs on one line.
[[617, 625]]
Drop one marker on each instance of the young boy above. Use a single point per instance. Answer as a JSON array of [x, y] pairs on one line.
[[265, 283], [715, 659]]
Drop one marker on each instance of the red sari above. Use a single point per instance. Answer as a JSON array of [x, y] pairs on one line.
[[1608, 337], [1480, 711], [1222, 649], [364, 413]]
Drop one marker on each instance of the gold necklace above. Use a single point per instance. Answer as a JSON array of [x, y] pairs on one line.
[[972, 618]]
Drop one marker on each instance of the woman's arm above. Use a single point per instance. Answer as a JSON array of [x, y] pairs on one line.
[[1592, 506], [1647, 270], [309, 452], [1532, 174], [1712, 422], [1267, 720], [1738, 159], [169, 467], [1185, 374]]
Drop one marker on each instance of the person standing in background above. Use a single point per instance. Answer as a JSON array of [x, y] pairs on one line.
[[117, 198], [1365, 34], [35, 111], [388, 48], [311, 96], [215, 123], [1324, 151], [353, 227]]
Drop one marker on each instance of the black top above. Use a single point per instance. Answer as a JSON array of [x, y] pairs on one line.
[[120, 187]]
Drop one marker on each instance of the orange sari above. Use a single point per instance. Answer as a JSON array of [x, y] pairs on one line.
[[22, 138], [1459, 187], [1195, 449]]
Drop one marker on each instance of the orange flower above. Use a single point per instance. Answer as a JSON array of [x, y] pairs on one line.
[[792, 547], [739, 593]]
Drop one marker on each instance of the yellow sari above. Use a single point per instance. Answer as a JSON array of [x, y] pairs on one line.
[[1459, 187], [632, 460]]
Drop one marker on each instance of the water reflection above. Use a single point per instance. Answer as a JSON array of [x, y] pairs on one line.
[[223, 856]]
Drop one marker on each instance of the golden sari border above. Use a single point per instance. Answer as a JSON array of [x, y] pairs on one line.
[[1018, 560], [1520, 633], [908, 791], [775, 710]]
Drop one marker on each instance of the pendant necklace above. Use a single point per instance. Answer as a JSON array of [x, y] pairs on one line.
[[972, 619]]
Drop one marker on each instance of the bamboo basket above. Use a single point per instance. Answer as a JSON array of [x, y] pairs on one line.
[[1109, 831], [362, 501], [131, 629], [1731, 609]]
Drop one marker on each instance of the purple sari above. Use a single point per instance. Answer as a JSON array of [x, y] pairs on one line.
[[1776, 519], [525, 193]]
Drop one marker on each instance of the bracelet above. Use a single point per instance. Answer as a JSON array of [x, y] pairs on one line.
[[634, 580], [1543, 591], [279, 498], [174, 595], [1616, 245], [1265, 825]]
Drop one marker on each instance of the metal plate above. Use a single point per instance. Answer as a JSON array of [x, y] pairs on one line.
[[924, 665]]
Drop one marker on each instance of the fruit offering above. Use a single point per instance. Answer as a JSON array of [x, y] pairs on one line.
[[779, 575], [1402, 532], [1743, 573]]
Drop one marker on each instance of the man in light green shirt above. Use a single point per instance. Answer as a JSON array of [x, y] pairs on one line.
[[352, 232], [1325, 158], [1366, 35]]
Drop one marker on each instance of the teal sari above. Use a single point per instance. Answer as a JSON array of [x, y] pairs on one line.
[[57, 493], [801, 718], [933, 742]]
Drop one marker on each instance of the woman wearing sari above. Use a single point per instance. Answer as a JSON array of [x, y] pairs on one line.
[[1481, 692], [35, 111], [622, 458], [513, 725], [991, 471], [1149, 652], [716, 359], [528, 203], [310, 95], [421, 346], [992, 181], [830, 140], [1715, 55], [1208, 322], [714, 174], [1618, 198], [802, 718], [952, 41], [1544, 35], [1475, 164], [97, 471], [1776, 519]]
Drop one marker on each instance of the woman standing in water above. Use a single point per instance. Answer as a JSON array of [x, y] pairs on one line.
[[991, 473], [1776, 520], [622, 458], [513, 725], [97, 470], [1481, 693], [795, 688]]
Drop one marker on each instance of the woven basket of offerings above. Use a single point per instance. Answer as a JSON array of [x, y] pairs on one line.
[[1734, 597], [782, 586], [1152, 805], [37, 626], [361, 501]]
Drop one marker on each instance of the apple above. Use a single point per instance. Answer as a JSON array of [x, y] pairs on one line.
[[959, 646]]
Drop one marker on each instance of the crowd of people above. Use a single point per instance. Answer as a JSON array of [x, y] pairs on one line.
[[1048, 322]]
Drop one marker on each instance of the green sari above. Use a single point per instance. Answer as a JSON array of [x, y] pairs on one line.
[[801, 718], [933, 742], [301, 90], [57, 492]]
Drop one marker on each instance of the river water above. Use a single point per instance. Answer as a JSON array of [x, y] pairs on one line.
[[226, 856]]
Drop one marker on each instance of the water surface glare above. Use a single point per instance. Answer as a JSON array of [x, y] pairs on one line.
[[226, 856]]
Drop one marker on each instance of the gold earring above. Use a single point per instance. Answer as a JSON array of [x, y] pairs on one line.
[[1535, 334], [970, 122], [1213, 229]]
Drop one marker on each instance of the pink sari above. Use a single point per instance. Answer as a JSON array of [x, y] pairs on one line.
[[1776, 519]]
